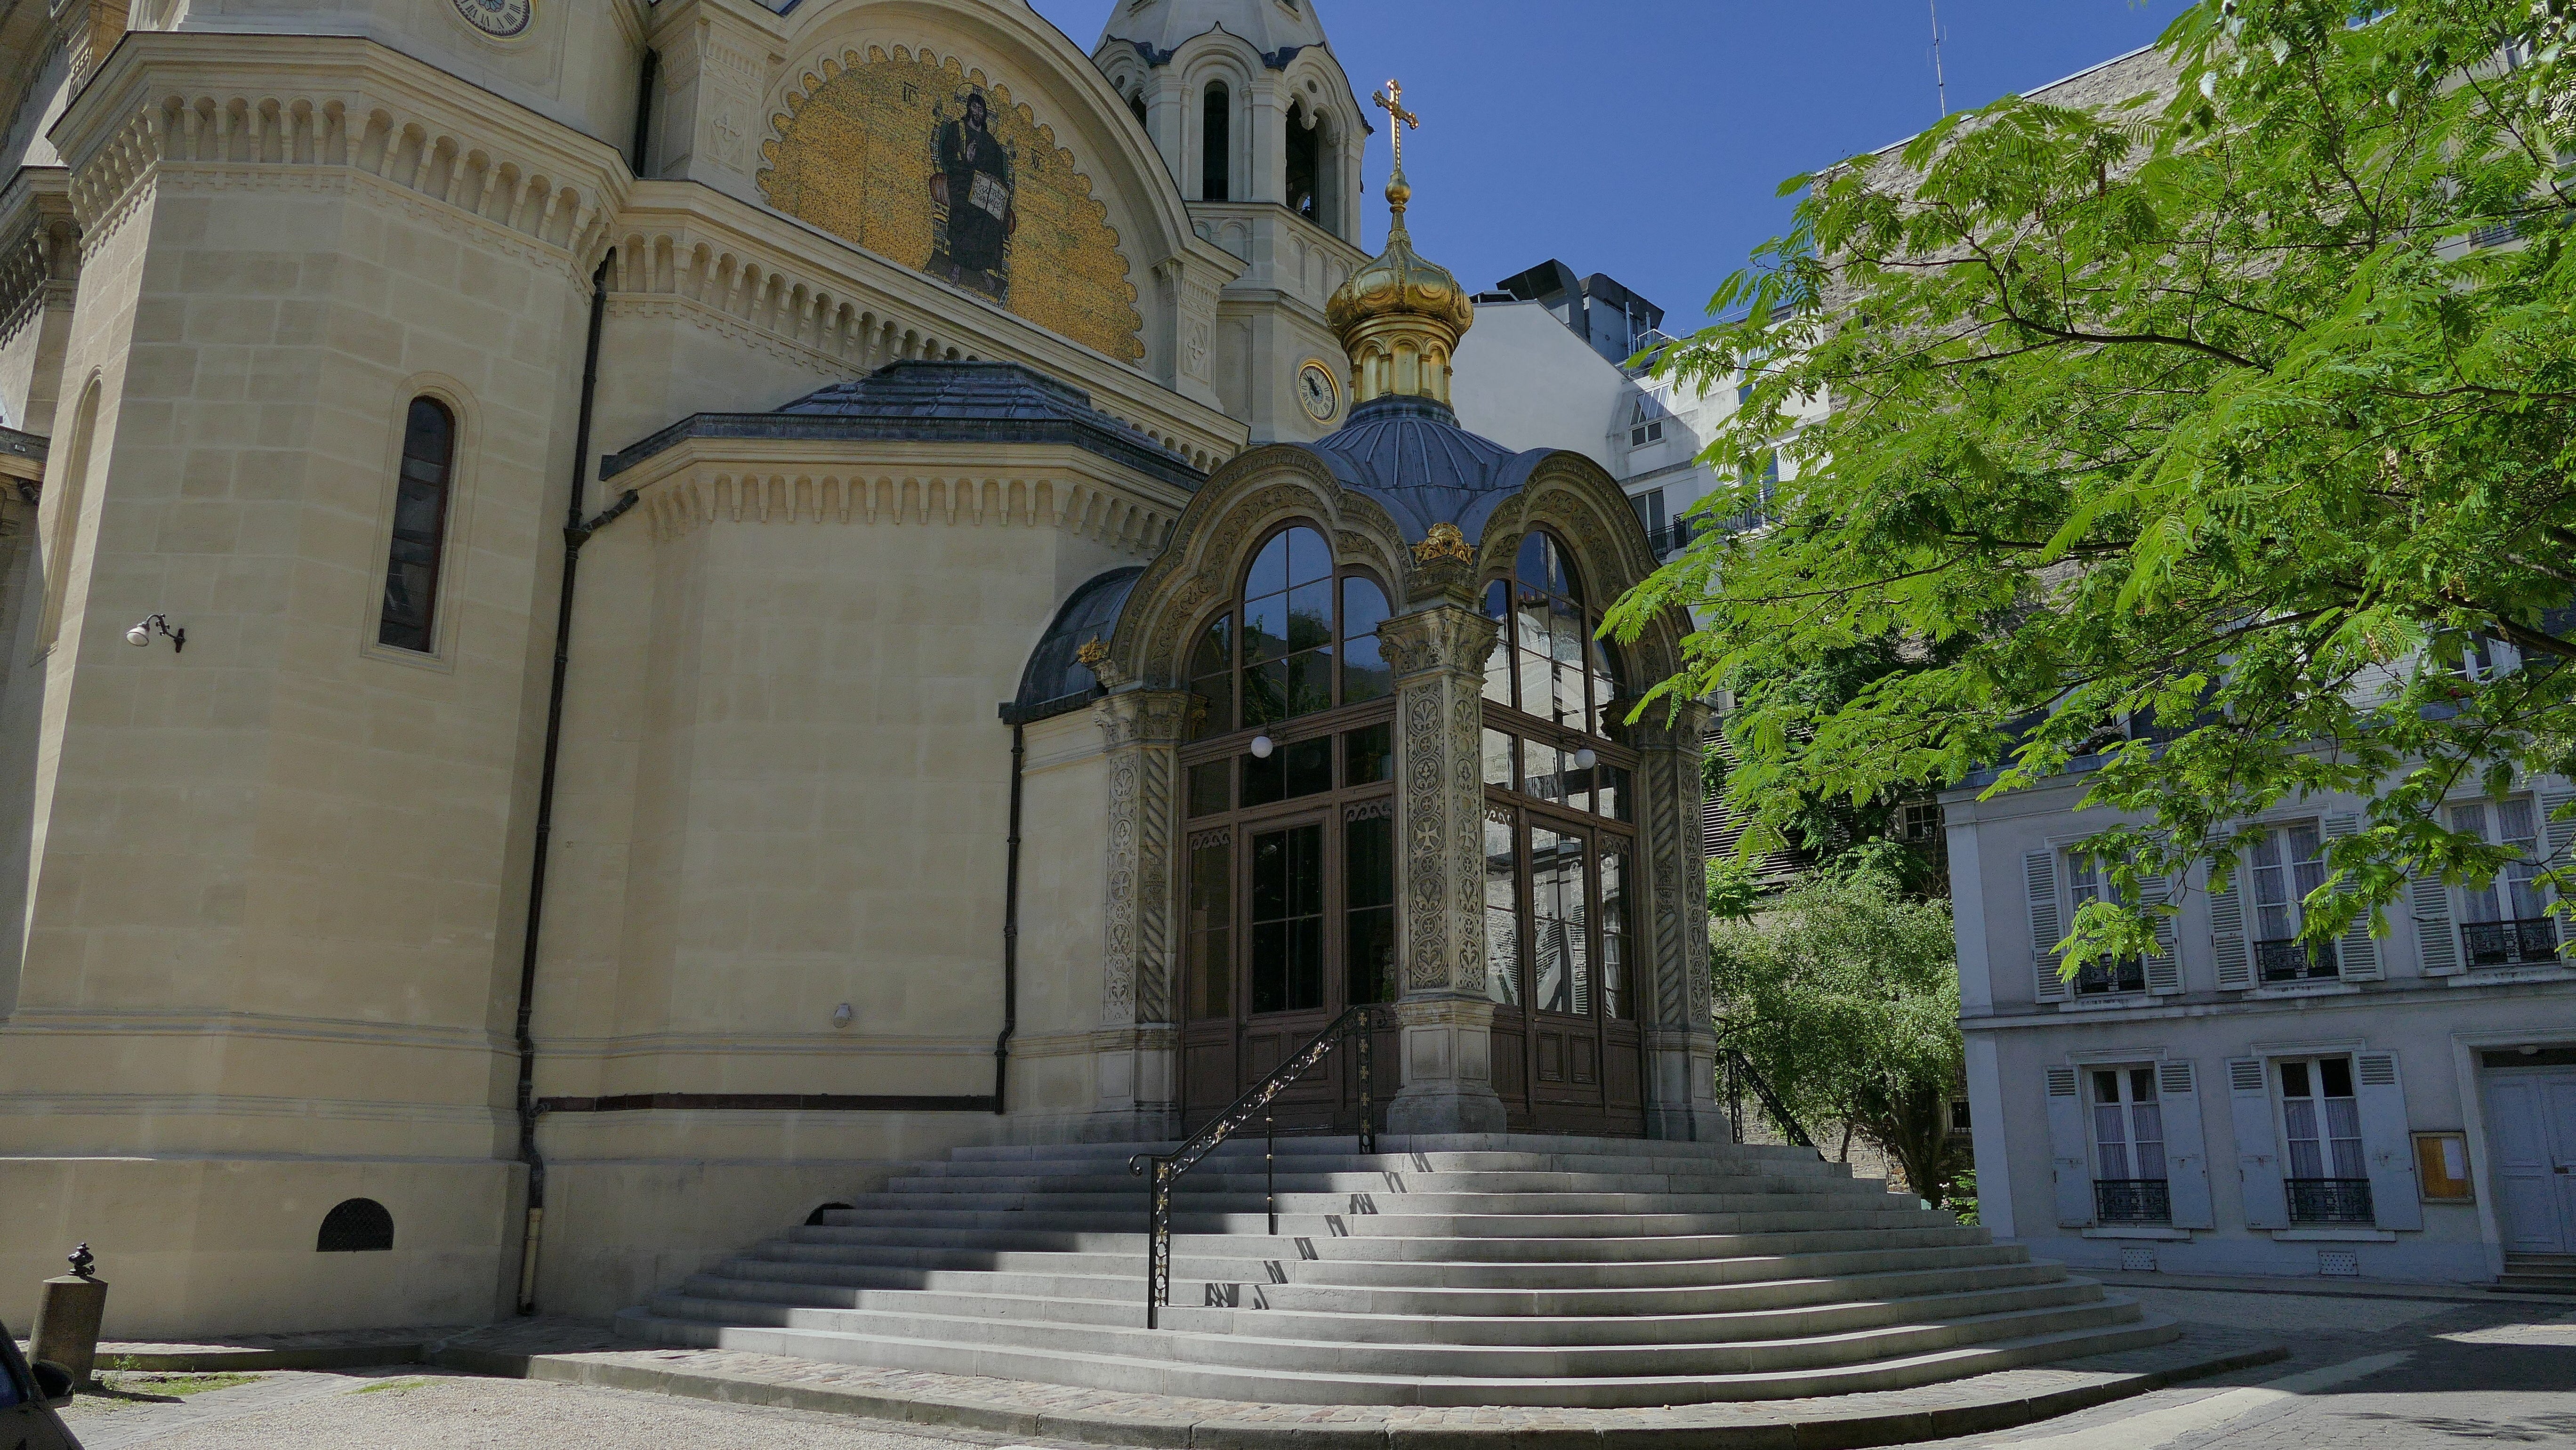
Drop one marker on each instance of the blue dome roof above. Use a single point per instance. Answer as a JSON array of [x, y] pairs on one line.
[[1410, 455]]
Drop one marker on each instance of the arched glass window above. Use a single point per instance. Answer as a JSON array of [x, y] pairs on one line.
[[1548, 661], [1301, 639], [1216, 143], [420, 528]]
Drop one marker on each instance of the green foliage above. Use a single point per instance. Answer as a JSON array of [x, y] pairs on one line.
[[1733, 889], [2201, 411], [1845, 994]]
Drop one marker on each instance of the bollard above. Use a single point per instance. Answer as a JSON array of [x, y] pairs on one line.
[[67, 1320]]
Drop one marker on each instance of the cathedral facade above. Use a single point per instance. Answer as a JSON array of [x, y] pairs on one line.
[[620, 613]]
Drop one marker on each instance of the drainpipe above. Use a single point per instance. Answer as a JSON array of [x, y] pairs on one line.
[[1010, 926], [577, 532]]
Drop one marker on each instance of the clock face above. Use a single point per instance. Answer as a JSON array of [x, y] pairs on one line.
[[1317, 390], [497, 17]]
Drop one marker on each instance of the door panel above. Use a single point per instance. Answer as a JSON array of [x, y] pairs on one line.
[[2526, 1187], [2558, 1097]]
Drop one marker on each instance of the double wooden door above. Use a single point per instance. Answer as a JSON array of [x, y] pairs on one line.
[[1287, 921], [1562, 968]]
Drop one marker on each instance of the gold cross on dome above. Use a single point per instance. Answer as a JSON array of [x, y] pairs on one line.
[[1391, 101]]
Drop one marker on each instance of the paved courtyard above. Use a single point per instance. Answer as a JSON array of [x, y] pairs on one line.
[[2365, 1373]]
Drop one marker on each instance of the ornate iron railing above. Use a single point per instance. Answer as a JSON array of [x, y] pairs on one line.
[[2132, 1200], [2504, 943], [2293, 960], [1359, 1022], [2330, 1200], [1739, 1073]]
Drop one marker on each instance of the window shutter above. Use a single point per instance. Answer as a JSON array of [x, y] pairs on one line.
[[2070, 1163], [2562, 844], [2386, 1148], [2356, 951], [2039, 885], [2164, 969], [2227, 940], [2258, 1147], [2437, 942], [2186, 1156]]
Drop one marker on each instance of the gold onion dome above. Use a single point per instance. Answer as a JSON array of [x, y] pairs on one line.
[[1400, 317]]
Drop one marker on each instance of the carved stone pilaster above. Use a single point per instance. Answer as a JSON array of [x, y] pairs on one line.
[[1681, 1041], [1185, 294], [1141, 731], [1438, 655], [714, 68]]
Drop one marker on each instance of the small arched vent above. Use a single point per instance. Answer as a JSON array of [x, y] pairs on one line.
[[815, 1219], [359, 1226]]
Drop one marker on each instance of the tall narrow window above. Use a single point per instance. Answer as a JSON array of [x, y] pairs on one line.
[[1305, 162], [1216, 144], [1136, 104], [2505, 920], [420, 528], [2329, 1180], [2129, 1175], [2285, 865]]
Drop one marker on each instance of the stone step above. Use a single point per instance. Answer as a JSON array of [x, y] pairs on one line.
[[1240, 1158], [1581, 1301], [1391, 1145], [1243, 1363], [1327, 1249], [1217, 1178], [1764, 1256], [1033, 1295], [1382, 1223], [1417, 1201]]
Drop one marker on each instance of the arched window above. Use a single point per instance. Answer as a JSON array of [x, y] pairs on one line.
[[1560, 850], [1548, 660], [1301, 639], [1305, 164], [1136, 103], [420, 528], [1216, 143], [357, 1226], [1288, 864]]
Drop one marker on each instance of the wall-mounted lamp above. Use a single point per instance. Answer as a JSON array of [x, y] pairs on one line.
[[140, 636], [842, 1014], [1262, 745], [1584, 759]]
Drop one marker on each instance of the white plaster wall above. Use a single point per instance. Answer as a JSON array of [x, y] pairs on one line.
[[1526, 382]]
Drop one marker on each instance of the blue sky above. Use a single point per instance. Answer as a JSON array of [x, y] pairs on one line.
[[1645, 138]]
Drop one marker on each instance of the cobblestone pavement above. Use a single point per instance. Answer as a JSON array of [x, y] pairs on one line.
[[2365, 1374]]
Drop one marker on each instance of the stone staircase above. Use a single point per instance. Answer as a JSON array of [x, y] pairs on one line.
[[2538, 1274], [1496, 1270]]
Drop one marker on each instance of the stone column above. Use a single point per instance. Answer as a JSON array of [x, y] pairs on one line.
[[1681, 1040], [1438, 650], [1139, 1087]]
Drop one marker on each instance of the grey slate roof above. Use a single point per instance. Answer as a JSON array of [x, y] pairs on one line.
[[936, 402], [1410, 455], [1055, 682]]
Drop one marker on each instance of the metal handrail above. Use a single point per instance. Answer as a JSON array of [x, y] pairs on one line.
[[1740, 1073], [1168, 1167]]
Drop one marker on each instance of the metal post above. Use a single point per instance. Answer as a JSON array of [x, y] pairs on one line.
[[1270, 1169], [1158, 1245], [1368, 1109]]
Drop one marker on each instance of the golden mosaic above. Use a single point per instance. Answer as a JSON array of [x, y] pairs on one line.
[[928, 163]]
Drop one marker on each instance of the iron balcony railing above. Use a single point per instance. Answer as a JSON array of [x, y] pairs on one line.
[[1360, 1023], [2132, 1200], [2293, 960], [2330, 1200], [1738, 1073], [2505, 943]]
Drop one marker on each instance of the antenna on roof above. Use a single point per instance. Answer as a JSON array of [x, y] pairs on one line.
[[1940, 82]]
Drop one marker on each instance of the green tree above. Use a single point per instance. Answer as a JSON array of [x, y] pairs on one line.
[[2211, 432], [1845, 995]]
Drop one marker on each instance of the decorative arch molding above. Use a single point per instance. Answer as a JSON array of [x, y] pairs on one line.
[[1571, 497], [1213, 538]]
